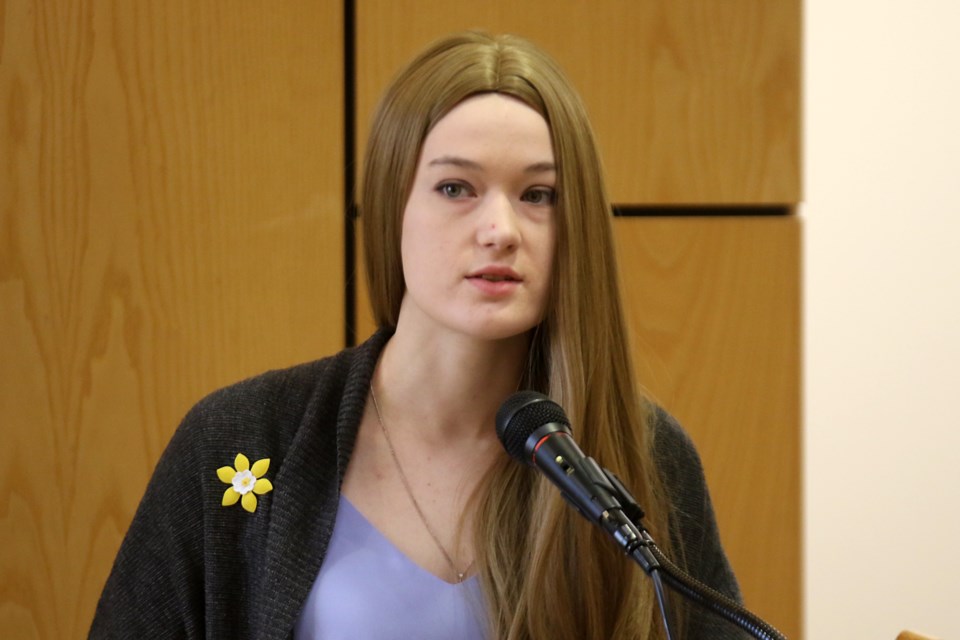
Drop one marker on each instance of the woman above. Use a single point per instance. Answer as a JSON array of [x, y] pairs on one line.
[[387, 507]]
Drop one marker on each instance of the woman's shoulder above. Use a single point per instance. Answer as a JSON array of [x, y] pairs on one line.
[[284, 397], [269, 415], [682, 475], [694, 530], [277, 391], [286, 419], [681, 470], [673, 448]]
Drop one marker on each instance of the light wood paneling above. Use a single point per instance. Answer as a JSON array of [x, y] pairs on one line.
[[714, 305], [692, 102], [170, 221]]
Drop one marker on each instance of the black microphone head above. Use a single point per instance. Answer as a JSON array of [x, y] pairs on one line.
[[520, 415]]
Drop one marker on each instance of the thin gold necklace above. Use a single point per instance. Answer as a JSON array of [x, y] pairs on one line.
[[416, 505]]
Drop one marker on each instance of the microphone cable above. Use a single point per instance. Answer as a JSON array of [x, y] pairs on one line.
[[662, 601]]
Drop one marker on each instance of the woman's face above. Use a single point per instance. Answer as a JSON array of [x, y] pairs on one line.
[[478, 230]]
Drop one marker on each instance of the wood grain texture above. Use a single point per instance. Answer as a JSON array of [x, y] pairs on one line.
[[692, 102], [170, 221], [714, 307]]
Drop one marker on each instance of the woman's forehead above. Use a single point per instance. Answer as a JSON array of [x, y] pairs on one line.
[[489, 124]]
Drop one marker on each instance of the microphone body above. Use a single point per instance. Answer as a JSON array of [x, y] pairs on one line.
[[535, 431]]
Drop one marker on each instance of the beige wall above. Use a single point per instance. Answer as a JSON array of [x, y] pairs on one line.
[[882, 329]]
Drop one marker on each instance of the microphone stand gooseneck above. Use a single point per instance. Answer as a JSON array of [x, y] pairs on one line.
[[623, 522]]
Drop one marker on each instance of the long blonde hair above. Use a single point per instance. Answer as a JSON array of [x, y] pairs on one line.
[[544, 570]]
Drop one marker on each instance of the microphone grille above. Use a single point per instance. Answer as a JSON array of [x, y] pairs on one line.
[[520, 415]]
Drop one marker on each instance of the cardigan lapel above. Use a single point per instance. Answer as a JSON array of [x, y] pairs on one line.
[[307, 487]]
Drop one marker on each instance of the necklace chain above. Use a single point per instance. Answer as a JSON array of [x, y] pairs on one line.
[[416, 505]]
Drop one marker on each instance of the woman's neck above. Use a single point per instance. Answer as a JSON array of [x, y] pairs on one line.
[[450, 385]]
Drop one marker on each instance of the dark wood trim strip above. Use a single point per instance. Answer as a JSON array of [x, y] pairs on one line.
[[349, 179], [685, 211]]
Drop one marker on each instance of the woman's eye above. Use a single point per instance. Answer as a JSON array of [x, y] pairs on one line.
[[540, 196], [452, 190]]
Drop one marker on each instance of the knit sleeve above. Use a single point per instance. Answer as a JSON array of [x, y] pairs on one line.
[[155, 588]]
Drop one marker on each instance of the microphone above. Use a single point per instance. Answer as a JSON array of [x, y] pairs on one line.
[[535, 431]]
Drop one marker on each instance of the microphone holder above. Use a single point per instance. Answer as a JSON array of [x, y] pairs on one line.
[[640, 546]]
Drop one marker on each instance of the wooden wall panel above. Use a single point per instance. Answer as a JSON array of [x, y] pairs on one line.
[[714, 305], [692, 102], [170, 221]]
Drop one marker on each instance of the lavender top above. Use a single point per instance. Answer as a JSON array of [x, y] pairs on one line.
[[367, 588]]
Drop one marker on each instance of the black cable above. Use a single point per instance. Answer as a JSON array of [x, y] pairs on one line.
[[662, 601]]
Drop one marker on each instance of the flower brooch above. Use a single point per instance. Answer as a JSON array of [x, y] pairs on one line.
[[246, 482]]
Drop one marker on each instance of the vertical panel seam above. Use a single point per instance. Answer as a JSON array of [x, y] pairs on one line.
[[349, 180]]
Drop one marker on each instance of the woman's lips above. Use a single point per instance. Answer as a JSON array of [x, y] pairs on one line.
[[495, 281]]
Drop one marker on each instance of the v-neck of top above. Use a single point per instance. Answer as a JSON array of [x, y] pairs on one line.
[[368, 588]]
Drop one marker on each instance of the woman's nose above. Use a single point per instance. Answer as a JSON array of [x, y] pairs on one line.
[[497, 225]]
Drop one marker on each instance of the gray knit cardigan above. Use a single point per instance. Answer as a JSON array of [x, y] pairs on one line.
[[191, 568]]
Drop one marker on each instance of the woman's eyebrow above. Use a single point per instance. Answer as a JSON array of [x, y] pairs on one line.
[[541, 167], [463, 163], [455, 161]]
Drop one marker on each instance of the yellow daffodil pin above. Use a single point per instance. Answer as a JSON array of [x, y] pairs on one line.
[[246, 482]]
